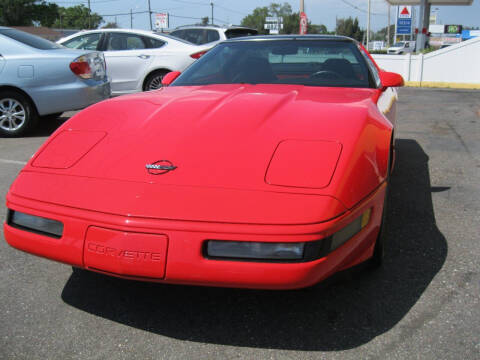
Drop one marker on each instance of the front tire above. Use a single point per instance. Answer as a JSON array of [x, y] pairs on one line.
[[379, 251], [154, 80], [17, 114]]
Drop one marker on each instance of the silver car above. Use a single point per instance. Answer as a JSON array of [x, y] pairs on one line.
[[40, 78]]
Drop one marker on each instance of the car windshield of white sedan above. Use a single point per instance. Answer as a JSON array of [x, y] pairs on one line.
[[301, 62]]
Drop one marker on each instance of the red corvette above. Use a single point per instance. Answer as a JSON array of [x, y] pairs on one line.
[[264, 165]]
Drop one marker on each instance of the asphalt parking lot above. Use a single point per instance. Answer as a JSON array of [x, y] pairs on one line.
[[424, 303]]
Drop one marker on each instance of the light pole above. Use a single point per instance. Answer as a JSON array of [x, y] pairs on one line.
[[89, 14], [368, 24], [211, 4], [388, 27], [302, 6], [150, 15]]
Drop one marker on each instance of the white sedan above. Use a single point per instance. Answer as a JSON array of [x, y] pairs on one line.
[[136, 60]]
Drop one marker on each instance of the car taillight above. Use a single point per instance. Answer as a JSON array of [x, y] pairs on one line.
[[199, 54], [81, 67]]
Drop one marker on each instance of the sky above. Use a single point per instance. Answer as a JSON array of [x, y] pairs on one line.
[[184, 12]]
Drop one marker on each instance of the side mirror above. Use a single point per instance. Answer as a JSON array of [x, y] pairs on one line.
[[170, 77], [390, 79]]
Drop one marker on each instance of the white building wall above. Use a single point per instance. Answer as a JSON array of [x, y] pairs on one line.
[[458, 63]]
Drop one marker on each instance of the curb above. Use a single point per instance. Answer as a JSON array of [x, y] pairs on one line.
[[434, 84]]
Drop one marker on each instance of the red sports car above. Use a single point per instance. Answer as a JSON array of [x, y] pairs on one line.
[[264, 165]]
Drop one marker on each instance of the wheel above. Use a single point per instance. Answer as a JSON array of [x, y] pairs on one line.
[[17, 114], [379, 251], [154, 81]]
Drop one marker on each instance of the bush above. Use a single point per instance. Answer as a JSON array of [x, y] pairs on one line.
[[378, 51]]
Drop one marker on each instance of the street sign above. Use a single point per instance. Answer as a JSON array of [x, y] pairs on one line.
[[405, 12], [453, 29], [303, 23], [404, 26], [273, 24], [161, 21], [274, 19], [404, 20]]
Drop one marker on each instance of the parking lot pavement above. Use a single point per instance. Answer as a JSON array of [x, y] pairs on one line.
[[424, 303]]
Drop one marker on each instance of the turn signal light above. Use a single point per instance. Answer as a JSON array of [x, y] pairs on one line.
[[199, 54]]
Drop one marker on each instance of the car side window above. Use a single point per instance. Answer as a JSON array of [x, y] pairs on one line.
[[193, 35], [123, 41], [407, 45], [84, 42], [212, 35], [155, 43], [178, 33]]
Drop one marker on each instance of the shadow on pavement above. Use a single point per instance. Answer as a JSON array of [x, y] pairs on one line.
[[46, 126], [342, 315]]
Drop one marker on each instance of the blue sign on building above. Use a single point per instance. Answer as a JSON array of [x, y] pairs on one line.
[[404, 26]]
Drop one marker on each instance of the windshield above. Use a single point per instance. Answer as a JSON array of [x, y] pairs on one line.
[[30, 40], [398, 44], [301, 62]]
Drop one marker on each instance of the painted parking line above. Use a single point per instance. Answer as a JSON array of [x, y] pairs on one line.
[[16, 162]]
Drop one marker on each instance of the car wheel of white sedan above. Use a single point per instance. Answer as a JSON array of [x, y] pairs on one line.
[[17, 115], [154, 80]]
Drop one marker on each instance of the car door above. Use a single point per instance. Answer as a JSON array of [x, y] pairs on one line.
[[128, 58]]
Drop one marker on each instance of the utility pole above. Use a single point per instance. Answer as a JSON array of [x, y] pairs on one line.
[[368, 24], [89, 14], [131, 19], [211, 4], [302, 6], [150, 15], [388, 28]]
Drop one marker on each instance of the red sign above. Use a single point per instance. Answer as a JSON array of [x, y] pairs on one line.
[[303, 23], [405, 11]]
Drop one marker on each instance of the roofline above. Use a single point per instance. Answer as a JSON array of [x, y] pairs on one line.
[[214, 26], [293, 37]]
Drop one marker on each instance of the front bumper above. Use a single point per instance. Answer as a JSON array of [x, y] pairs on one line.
[[172, 251]]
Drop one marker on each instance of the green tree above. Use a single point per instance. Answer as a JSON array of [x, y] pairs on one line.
[[16, 12], [45, 13], [110, 25], [318, 29], [382, 34], [77, 17], [291, 20], [256, 19], [205, 20], [349, 27]]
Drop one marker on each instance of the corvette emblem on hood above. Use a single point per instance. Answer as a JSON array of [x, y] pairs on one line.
[[160, 167]]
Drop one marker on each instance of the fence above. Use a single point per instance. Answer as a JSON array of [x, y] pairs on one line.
[[455, 66]]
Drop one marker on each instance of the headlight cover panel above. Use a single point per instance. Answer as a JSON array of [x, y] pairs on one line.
[[303, 163], [67, 148]]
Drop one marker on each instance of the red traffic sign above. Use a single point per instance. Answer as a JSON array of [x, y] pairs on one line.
[[303, 23]]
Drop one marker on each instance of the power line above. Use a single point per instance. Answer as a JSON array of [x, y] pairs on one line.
[[360, 9]]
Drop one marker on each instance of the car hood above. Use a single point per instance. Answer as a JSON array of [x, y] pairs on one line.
[[218, 136]]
